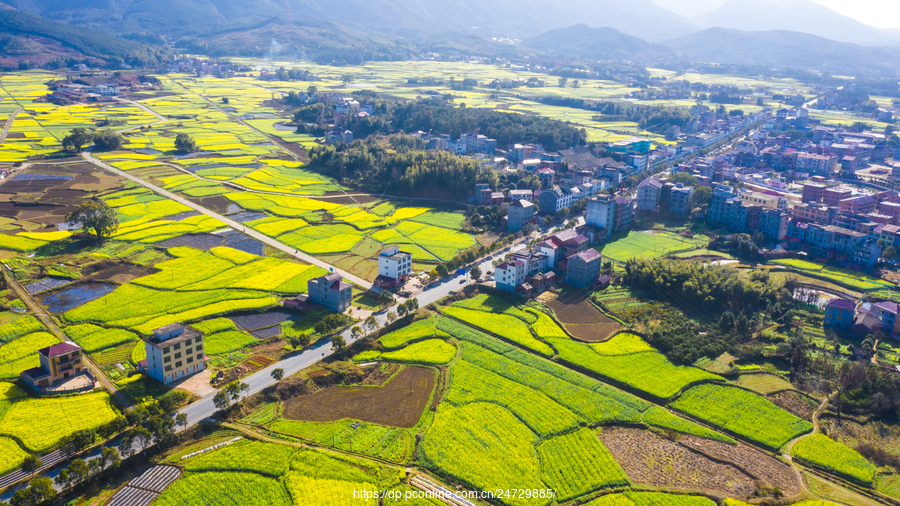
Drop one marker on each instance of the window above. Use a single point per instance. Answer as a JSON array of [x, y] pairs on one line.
[[178, 355], [199, 358], [167, 359], [178, 364], [190, 360], [198, 339], [168, 368], [187, 350]]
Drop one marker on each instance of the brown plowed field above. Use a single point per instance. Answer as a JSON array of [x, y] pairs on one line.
[[581, 319], [652, 460], [795, 403], [399, 403], [766, 469]]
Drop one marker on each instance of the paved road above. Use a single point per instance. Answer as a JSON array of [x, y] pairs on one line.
[[231, 223], [9, 122]]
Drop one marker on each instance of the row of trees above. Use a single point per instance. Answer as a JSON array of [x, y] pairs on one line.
[[701, 287], [104, 140], [409, 173]]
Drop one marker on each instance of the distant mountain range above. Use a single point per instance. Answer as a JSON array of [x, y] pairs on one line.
[[803, 16], [755, 32], [784, 49]]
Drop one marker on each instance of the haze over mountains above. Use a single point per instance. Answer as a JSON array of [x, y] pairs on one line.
[[757, 32]]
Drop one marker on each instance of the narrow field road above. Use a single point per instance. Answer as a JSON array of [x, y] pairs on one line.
[[790, 445], [231, 223], [120, 398], [159, 117], [9, 122]]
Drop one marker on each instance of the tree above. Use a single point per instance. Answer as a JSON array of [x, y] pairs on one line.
[[371, 324], [277, 374], [225, 100], [31, 463], [62, 480], [701, 197], [355, 332], [563, 213], [391, 317], [312, 90], [111, 458], [107, 140], [299, 340], [181, 420], [221, 400], [184, 143], [402, 310], [684, 178], [441, 270], [338, 343], [889, 253], [412, 304], [22, 497], [142, 437], [95, 215], [76, 140], [42, 490], [78, 470], [476, 272]]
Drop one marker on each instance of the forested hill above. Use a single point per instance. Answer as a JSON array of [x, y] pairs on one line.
[[90, 42]]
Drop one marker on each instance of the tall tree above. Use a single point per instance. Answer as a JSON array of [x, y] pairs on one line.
[[95, 215], [184, 143], [76, 140]]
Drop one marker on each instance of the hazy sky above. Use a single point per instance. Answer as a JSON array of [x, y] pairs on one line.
[[880, 13]]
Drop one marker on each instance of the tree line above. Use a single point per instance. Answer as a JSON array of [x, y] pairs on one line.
[[408, 172]]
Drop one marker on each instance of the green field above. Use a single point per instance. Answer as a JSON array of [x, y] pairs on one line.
[[759, 420], [628, 359], [508, 327], [40, 423], [821, 451], [578, 463], [262, 458], [419, 330], [624, 246]]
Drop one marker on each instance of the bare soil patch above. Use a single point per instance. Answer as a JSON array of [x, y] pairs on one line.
[[117, 272], [217, 203], [399, 403], [581, 319], [650, 459], [795, 403], [767, 470]]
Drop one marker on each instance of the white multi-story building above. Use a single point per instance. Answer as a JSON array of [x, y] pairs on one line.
[[174, 352], [394, 267], [511, 274]]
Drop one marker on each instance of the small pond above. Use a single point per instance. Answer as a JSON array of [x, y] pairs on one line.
[[76, 296]]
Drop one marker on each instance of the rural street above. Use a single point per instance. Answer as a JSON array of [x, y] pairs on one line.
[[231, 223]]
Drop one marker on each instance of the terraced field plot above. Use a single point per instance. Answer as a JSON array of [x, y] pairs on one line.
[[194, 286], [581, 319], [625, 246], [761, 421], [40, 423], [398, 403], [629, 360], [823, 452]]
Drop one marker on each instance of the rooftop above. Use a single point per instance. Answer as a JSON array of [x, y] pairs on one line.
[[841, 304], [587, 255], [189, 333], [59, 349]]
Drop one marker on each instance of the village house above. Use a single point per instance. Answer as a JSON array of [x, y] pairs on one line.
[[58, 363], [330, 291], [174, 351], [394, 267]]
